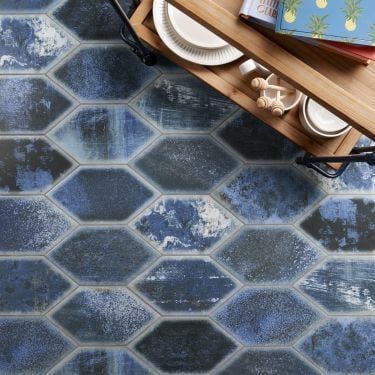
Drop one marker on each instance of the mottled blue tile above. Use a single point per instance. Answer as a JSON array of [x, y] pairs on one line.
[[31, 43], [343, 285], [29, 105], [30, 346], [185, 346], [343, 224], [105, 73], [102, 362], [102, 134], [269, 194], [185, 285], [254, 255], [192, 225], [187, 164], [25, 5], [182, 102], [30, 225], [268, 362], [102, 194], [167, 66], [102, 255], [106, 315], [29, 165], [255, 140], [29, 285], [345, 345], [260, 316]]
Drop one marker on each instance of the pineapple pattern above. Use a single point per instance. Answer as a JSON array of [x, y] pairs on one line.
[[321, 3], [372, 34], [291, 7], [318, 25], [352, 11]]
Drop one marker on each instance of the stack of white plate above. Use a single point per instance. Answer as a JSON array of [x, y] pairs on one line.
[[190, 40]]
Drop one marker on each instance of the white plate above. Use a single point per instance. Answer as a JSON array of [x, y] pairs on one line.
[[183, 48]]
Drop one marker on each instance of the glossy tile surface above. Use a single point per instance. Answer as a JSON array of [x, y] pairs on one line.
[[25, 5]]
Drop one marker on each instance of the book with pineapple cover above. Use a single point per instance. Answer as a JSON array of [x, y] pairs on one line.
[[349, 21]]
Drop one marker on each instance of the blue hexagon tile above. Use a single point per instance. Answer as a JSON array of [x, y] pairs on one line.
[[186, 224], [102, 255], [343, 285], [94, 194], [100, 134], [103, 315], [343, 345], [267, 316], [29, 104], [185, 285], [30, 346], [343, 223], [183, 103], [29, 6], [31, 44], [185, 346], [30, 225], [255, 255], [269, 194]]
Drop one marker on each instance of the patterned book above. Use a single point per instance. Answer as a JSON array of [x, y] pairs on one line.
[[349, 21]]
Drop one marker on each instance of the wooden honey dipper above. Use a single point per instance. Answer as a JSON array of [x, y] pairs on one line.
[[260, 84], [278, 108]]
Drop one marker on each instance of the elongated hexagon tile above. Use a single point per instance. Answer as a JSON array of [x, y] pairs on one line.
[[104, 73], [106, 315], [182, 102], [103, 134], [30, 6], [343, 285], [261, 316], [269, 361], [343, 224], [30, 225], [30, 346], [344, 345], [30, 165], [31, 43], [191, 225], [102, 194], [187, 164], [169, 67], [102, 255], [30, 285], [29, 105], [185, 346], [254, 140], [79, 16], [103, 361], [268, 194], [185, 285], [264, 255]]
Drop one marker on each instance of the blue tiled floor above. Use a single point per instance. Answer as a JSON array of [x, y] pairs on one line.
[[148, 225]]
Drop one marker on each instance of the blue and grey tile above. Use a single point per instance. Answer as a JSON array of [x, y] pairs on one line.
[[167, 66], [29, 6]]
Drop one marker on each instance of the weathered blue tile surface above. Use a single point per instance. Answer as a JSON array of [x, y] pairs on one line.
[[185, 346], [30, 44], [102, 255], [270, 361], [269, 194], [24, 5], [343, 285], [93, 194], [29, 105], [30, 346], [29, 165], [255, 140], [30, 224], [343, 224], [167, 66], [105, 73], [29, 285], [345, 345], [185, 225], [186, 164], [259, 316], [189, 285], [100, 134], [103, 315], [263, 255], [182, 102], [102, 362]]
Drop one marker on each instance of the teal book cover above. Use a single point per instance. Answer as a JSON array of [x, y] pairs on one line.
[[349, 21]]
